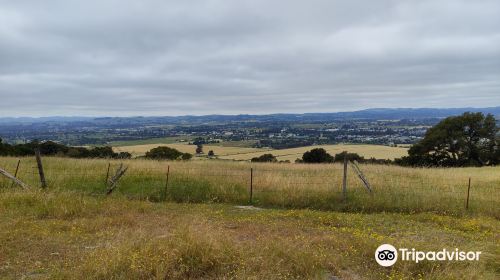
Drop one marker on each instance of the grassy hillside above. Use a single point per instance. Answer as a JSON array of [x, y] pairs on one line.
[[396, 189], [143, 231], [67, 235], [243, 153]]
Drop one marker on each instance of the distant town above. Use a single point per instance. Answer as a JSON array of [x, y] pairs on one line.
[[390, 127]]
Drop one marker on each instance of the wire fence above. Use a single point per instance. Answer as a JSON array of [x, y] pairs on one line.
[[280, 186]]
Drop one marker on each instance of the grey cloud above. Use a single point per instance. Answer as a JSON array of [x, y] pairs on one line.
[[153, 57]]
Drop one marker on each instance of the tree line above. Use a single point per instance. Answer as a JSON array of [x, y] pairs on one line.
[[49, 148], [320, 155]]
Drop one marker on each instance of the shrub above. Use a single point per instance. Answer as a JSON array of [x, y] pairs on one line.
[[265, 158], [317, 155], [163, 153], [199, 149], [186, 156]]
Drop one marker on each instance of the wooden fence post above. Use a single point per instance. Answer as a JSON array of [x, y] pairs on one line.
[[107, 175], [40, 168], [361, 176], [119, 173], [15, 174], [251, 185], [344, 179], [468, 194], [166, 183], [14, 179]]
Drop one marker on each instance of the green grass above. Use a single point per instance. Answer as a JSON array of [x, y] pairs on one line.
[[190, 229], [68, 235]]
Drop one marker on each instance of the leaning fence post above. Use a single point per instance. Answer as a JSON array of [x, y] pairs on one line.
[[40, 168], [15, 174], [114, 180], [251, 185], [468, 194], [361, 176], [166, 182], [14, 179], [344, 179]]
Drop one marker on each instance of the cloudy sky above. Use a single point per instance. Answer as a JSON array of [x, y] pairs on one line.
[[158, 57]]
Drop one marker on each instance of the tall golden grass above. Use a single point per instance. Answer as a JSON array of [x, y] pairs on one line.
[[395, 189]]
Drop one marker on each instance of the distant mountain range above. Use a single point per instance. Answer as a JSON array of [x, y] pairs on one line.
[[376, 113]]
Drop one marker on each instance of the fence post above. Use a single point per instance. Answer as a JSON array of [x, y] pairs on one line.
[[354, 165], [40, 168], [107, 174], [114, 180], [251, 185], [15, 174], [344, 179], [468, 194], [14, 179], [166, 183]]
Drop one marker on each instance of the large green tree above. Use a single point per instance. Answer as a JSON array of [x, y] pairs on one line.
[[467, 140], [317, 155]]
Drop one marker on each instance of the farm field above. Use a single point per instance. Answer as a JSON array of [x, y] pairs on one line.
[[180, 140], [140, 150], [163, 140], [243, 153], [368, 151], [191, 227]]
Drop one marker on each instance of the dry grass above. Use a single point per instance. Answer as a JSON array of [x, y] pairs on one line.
[[72, 231], [368, 151], [243, 153], [396, 189], [67, 235], [140, 150]]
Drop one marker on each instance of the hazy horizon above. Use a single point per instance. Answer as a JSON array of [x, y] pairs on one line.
[[242, 114]]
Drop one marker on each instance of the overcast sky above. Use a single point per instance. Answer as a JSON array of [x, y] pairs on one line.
[[158, 57]]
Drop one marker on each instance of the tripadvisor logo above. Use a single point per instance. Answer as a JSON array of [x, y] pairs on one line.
[[387, 255]]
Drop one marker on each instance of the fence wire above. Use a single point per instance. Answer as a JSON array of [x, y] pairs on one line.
[[315, 188]]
